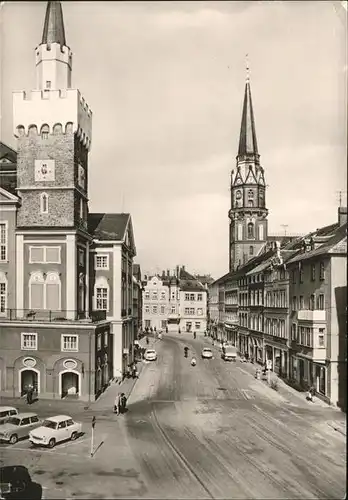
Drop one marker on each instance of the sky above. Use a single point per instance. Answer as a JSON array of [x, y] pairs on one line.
[[165, 82]]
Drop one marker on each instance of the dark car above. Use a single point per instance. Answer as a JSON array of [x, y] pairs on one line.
[[16, 484]]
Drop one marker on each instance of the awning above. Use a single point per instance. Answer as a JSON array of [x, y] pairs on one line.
[[257, 342], [230, 327]]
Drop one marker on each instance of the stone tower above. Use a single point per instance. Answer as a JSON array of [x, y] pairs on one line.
[[53, 125], [248, 213]]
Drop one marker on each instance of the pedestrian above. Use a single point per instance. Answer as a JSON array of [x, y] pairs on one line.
[[117, 404], [30, 394], [134, 370], [147, 340], [123, 403]]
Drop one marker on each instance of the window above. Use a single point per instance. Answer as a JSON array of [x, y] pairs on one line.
[[321, 337], [163, 295], [99, 341], [81, 177], [48, 84], [312, 302], [293, 276], [154, 309], [69, 342], [62, 425], [187, 310], [44, 255], [301, 305], [321, 302], [199, 311], [293, 331], [261, 232], [312, 272], [25, 421], [322, 271], [250, 194], [3, 293], [154, 296], [192, 311], [36, 291], [173, 309], [45, 131], [106, 339], [102, 262], [29, 341], [251, 250], [187, 296], [101, 294], [82, 208], [52, 292], [197, 325], [147, 309], [199, 297], [250, 230], [294, 303], [147, 295], [44, 203], [81, 257], [239, 232], [3, 241], [301, 272], [192, 296], [162, 310]]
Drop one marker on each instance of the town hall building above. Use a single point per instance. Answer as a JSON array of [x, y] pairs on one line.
[[66, 275]]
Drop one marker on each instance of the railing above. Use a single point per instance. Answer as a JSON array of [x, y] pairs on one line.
[[48, 315]]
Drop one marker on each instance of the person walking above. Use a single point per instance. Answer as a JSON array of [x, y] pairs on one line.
[[123, 403], [117, 404], [30, 394]]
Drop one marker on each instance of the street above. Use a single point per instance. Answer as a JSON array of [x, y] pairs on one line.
[[209, 431]]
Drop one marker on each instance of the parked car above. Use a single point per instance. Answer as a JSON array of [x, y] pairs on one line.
[[207, 353], [6, 412], [150, 355], [54, 430], [16, 484], [18, 427]]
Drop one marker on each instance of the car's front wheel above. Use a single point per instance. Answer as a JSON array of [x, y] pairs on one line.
[[73, 436], [52, 443], [13, 439]]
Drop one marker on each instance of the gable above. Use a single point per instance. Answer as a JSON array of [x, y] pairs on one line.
[[250, 179], [6, 197]]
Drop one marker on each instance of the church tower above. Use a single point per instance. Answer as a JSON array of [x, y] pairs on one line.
[[248, 213], [53, 125]]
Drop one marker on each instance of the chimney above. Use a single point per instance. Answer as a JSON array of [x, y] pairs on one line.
[[163, 274], [177, 271], [342, 215], [168, 273]]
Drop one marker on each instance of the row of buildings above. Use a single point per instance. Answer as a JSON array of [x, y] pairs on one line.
[[175, 301], [284, 298], [70, 294]]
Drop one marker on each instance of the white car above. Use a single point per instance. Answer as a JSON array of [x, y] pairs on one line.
[[54, 430], [207, 353], [150, 355], [6, 412]]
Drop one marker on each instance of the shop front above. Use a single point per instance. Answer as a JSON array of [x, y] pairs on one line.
[[231, 334], [243, 342], [256, 349]]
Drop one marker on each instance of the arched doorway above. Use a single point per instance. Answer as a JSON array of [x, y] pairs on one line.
[[69, 384], [29, 377]]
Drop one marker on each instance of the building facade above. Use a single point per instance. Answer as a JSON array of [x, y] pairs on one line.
[[66, 297]]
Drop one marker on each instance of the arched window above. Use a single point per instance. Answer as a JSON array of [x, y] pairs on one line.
[[57, 129], [250, 230], [261, 232], [32, 130], [101, 294], [3, 294], [44, 203], [45, 130], [250, 203], [52, 294], [36, 291]]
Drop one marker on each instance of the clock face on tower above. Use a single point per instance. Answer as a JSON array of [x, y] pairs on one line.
[[44, 170]]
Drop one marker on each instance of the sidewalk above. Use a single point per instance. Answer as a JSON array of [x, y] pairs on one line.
[[107, 399]]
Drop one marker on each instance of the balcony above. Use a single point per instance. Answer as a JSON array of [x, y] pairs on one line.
[[311, 315], [50, 316]]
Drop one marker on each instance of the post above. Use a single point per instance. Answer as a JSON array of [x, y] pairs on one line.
[[269, 376], [92, 435]]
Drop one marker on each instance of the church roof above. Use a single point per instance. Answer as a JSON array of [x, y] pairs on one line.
[[53, 31], [247, 138], [110, 227]]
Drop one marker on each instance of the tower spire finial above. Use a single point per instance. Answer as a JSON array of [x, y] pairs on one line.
[[247, 68], [53, 31]]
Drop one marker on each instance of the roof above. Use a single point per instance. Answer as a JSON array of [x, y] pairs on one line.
[[247, 138], [8, 153], [26, 414], [6, 408], [58, 418], [8, 168], [336, 244], [53, 31], [191, 285], [108, 226]]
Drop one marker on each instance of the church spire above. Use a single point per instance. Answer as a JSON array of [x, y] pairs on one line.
[[247, 138], [53, 31]]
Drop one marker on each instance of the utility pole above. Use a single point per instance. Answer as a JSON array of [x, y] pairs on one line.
[[340, 193]]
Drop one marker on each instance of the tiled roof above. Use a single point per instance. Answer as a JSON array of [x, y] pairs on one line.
[[8, 153], [191, 285], [336, 244], [108, 226]]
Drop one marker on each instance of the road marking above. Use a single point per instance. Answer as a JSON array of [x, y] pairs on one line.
[[245, 393]]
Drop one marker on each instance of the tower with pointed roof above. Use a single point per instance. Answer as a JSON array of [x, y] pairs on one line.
[[248, 213], [53, 125]]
